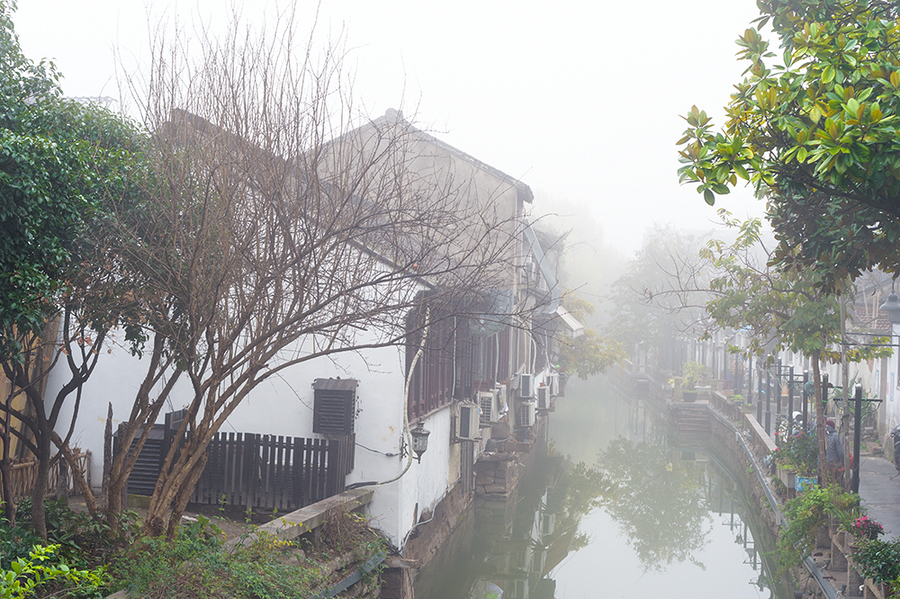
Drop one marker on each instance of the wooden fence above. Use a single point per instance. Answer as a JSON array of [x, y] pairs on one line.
[[273, 472], [24, 473]]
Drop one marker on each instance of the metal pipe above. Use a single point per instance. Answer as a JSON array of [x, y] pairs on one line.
[[791, 401], [759, 393], [778, 378], [857, 432], [805, 401]]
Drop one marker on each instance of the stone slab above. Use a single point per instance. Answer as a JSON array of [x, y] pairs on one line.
[[299, 522], [881, 495]]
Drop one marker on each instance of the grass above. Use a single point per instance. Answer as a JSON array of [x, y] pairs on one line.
[[195, 564]]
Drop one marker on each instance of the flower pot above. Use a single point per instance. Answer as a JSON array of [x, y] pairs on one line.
[[786, 476], [803, 483], [689, 396]]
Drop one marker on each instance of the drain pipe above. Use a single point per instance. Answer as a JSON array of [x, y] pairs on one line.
[[412, 369]]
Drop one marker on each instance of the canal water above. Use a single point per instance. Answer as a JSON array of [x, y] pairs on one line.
[[614, 508]]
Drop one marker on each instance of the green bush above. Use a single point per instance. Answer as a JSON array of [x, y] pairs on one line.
[[194, 564], [43, 567], [879, 560], [798, 452], [84, 541], [805, 515]]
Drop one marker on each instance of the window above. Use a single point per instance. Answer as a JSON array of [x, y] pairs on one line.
[[334, 407]]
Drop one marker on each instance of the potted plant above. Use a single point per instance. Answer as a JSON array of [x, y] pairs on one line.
[[796, 457], [691, 374], [866, 528]]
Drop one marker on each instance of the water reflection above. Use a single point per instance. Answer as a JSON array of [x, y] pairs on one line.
[[658, 501], [615, 510]]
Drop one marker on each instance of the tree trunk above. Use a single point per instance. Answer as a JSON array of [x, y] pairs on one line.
[[6, 491], [184, 496], [9, 504], [90, 501], [113, 504], [41, 482]]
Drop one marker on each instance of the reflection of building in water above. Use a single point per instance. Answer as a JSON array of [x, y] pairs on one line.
[[723, 496], [525, 543]]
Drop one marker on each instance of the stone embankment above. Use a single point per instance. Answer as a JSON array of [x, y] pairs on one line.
[[830, 571]]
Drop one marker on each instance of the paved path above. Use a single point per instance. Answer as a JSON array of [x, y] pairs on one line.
[[881, 495]]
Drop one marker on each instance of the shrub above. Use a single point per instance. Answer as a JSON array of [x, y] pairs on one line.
[[43, 567], [806, 514], [798, 452], [194, 564], [879, 560]]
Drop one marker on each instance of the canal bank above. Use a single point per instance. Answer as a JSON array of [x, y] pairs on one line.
[[830, 571], [614, 509]]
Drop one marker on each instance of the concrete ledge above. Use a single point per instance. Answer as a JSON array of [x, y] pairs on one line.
[[299, 522], [760, 437], [514, 446]]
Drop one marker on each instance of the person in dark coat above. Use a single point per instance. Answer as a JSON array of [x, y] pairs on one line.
[[834, 450]]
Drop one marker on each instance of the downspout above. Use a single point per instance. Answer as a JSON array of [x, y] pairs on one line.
[[412, 369]]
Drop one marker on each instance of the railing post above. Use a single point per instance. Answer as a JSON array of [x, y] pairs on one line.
[[805, 402], [759, 393], [857, 431], [790, 428]]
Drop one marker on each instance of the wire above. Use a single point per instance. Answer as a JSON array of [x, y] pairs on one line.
[[390, 455]]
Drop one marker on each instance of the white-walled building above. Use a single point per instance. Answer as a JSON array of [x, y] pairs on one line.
[[498, 355]]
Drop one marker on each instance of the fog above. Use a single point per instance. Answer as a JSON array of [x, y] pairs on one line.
[[581, 101]]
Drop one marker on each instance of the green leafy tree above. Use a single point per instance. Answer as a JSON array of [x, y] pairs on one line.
[[815, 130], [59, 161], [589, 353], [784, 307]]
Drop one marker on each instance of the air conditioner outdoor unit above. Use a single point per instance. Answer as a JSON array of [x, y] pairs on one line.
[[548, 524], [527, 414], [467, 419], [490, 408], [543, 398], [526, 385], [539, 560], [522, 559], [520, 589], [553, 383]]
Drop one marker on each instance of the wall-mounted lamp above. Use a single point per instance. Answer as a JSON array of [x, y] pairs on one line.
[[419, 440], [892, 307]]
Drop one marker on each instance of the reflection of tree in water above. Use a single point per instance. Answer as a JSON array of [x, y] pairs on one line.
[[658, 503], [585, 488]]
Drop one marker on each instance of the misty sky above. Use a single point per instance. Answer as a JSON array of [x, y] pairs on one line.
[[580, 100]]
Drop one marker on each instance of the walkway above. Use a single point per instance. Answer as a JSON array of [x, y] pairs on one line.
[[881, 495]]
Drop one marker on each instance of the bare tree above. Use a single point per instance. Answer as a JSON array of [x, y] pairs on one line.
[[272, 231]]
